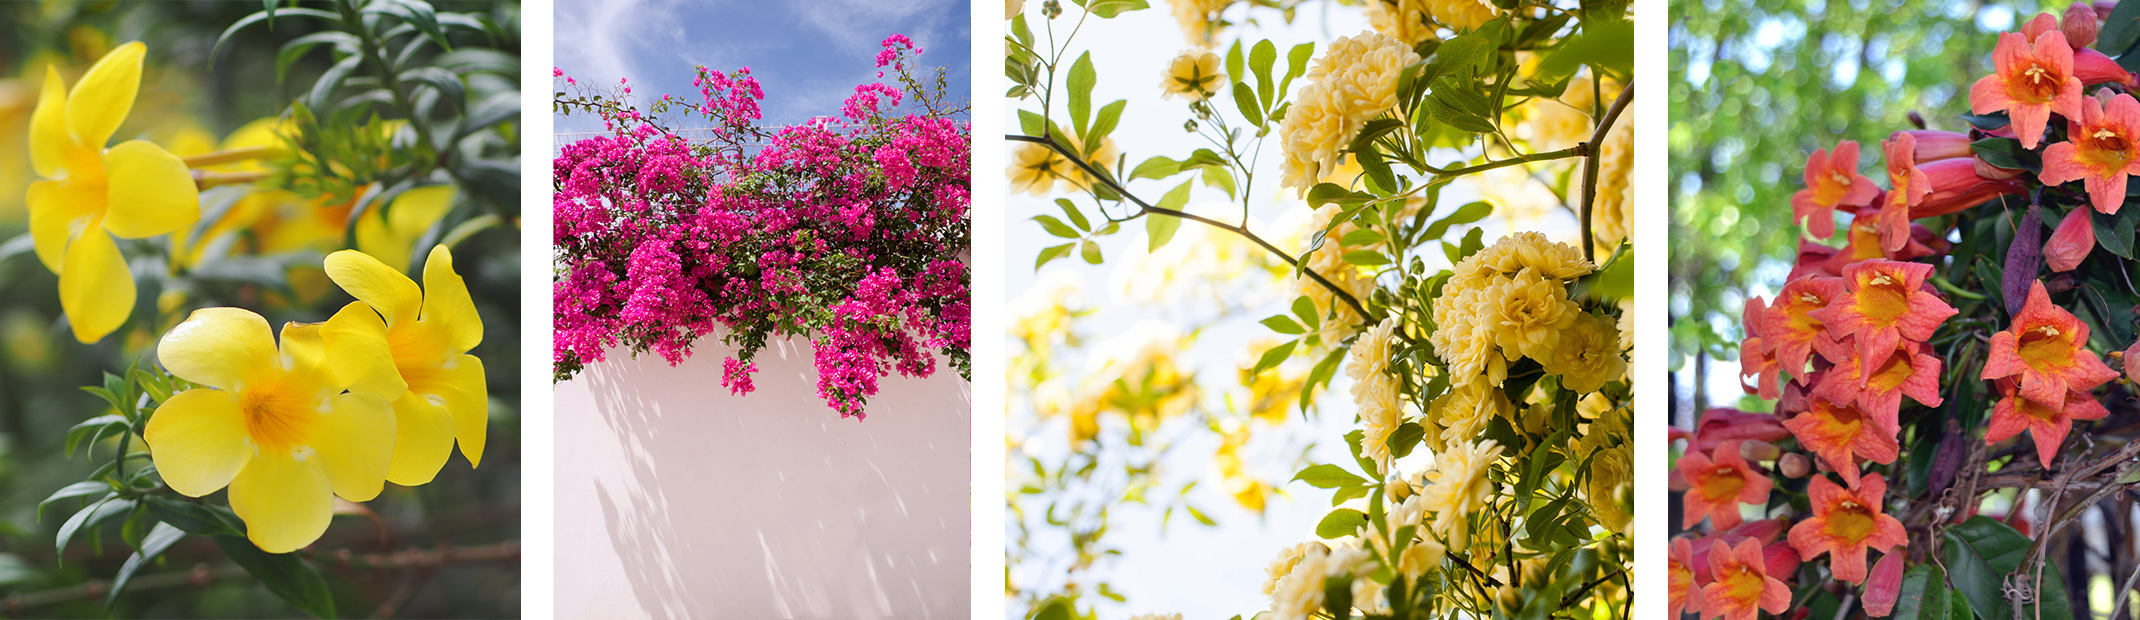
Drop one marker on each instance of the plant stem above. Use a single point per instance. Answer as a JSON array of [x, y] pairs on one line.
[[203, 179], [1590, 163], [1956, 291], [231, 155], [1147, 208]]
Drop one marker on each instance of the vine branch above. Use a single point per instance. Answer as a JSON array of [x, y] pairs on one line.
[[1590, 163]]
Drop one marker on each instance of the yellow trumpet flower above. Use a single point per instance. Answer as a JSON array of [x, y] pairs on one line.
[[411, 346], [89, 193], [275, 427]]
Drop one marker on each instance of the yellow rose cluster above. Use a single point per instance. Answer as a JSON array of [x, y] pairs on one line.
[[1355, 81], [380, 392], [1510, 301]]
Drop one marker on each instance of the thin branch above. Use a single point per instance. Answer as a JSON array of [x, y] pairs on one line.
[[201, 575], [1590, 163], [1147, 208]]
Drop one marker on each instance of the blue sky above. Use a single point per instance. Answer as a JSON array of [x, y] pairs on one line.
[[808, 54]]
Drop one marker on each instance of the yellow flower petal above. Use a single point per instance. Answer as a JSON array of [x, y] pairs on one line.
[[198, 440], [423, 440], [354, 443], [462, 385], [151, 191], [286, 503], [50, 141], [95, 287], [393, 294], [358, 352], [221, 347], [447, 304], [58, 211], [304, 360], [101, 101]]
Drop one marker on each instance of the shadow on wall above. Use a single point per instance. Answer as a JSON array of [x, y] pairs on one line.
[[761, 506]]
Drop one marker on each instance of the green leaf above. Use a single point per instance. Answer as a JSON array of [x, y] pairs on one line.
[[263, 16], [1260, 59], [2114, 232], [1617, 280], [1924, 594], [1283, 324], [285, 574], [1296, 65], [1464, 215], [332, 79], [89, 516], [1032, 124], [1341, 522], [1405, 439], [1050, 253], [1272, 358], [1234, 60], [1361, 237], [1609, 44], [2006, 153], [1380, 179], [196, 518], [447, 84], [1056, 227], [1366, 258], [159, 539], [1159, 227], [1981, 552], [1305, 309], [1055, 609], [1245, 100], [1987, 122], [1082, 78], [1158, 167], [1328, 476], [1107, 9], [93, 427], [1326, 193], [1110, 115], [2121, 31], [1459, 103], [1089, 251], [84, 488], [1077, 218], [296, 48]]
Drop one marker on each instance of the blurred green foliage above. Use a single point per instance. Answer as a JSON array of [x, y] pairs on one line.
[[1756, 87]]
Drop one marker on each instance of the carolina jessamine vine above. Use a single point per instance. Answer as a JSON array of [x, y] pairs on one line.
[[852, 232]]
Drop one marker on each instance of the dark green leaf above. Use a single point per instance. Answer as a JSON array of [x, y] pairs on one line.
[[263, 16], [159, 539], [89, 516], [1924, 594], [196, 518], [86, 488], [2114, 232], [1274, 357], [285, 574], [1981, 552]]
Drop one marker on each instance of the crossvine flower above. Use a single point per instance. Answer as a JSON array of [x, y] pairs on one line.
[[2045, 351], [1884, 302], [2047, 425], [1832, 181], [1840, 433], [89, 194], [277, 428], [2103, 148], [1847, 523], [1722, 480], [2031, 79], [410, 346], [1742, 587]]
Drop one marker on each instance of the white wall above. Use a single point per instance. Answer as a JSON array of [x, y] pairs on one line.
[[676, 499]]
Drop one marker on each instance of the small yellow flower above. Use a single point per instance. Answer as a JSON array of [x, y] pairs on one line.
[[134, 190], [277, 428], [1193, 75], [1526, 315], [1589, 355], [410, 346], [1457, 487], [391, 236]]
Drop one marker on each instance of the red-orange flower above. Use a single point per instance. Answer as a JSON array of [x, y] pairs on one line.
[[1789, 326], [2070, 243], [1832, 181], [2046, 351], [1883, 303], [1743, 588], [2048, 426], [1684, 596], [1718, 483], [1907, 186], [2029, 81], [1846, 524], [2103, 148], [1757, 355], [1904, 371], [1841, 432]]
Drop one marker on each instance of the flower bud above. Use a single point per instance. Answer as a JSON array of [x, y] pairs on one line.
[[1795, 465], [2092, 67], [1957, 186], [2132, 362], [2080, 25], [1397, 489], [2072, 242], [2041, 23], [1935, 145], [1757, 450], [1995, 173], [1780, 557], [1885, 584]]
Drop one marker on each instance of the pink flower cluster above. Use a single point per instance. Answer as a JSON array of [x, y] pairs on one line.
[[852, 233]]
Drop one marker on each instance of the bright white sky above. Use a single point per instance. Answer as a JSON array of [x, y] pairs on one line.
[[1197, 571]]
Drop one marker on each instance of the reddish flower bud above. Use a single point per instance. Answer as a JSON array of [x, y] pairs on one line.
[[2080, 25], [1781, 558], [1759, 451], [1933, 145], [2132, 362], [1957, 186], [2041, 23], [1885, 585], [2071, 243], [1996, 173], [1724, 424], [2092, 67], [1795, 465], [1765, 530]]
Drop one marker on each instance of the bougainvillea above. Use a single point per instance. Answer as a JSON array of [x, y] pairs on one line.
[[849, 231], [1944, 329]]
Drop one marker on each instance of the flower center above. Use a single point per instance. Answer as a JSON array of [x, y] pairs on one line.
[[1892, 373], [276, 416], [2044, 348], [1723, 483], [1744, 586], [2041, 85], [1882, 300], [1850, 523]]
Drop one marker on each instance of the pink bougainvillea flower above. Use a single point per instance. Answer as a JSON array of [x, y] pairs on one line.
[[2030, 80], [1719, 483], [1846, 523], [1907, 186], [2048, 426], [1884, 587], [1789, 325], [1935, 145], [1685, 595], [1840, 433], [1883, 303], [1832, 181], [2104, 149], [1743, 588], [2046, 352], [2071, 242], [1905, 370], [1724, 424]]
